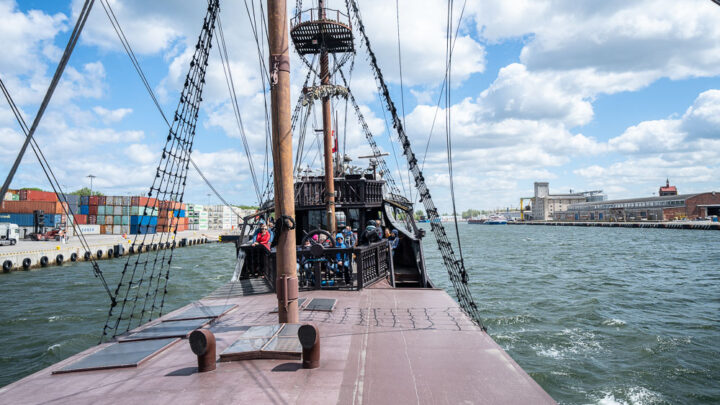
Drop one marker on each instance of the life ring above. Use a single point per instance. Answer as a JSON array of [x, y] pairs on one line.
[[132, 249], [154, 246], [87, 256], [110, 253], [59, 259], [7, 265], [26, 263], [73, 257], [99, 254], [44, 261]]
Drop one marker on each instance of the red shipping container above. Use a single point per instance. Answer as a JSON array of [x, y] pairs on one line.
[[27, 207], [35, 195], [93, 200], [92, 220], [102, 200], [92, 209], [81, 219]]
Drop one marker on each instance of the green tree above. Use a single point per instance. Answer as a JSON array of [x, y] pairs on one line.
[[85, 192], [472, 213], [419, 214]]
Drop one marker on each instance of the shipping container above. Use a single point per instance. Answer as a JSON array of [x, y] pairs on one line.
[[127, 201], [92, 219], [142, 229], [89, 229], [117, 220], [34, 195], [84, 200], [84, 210], [102, 200], [117, 210], [93, 200], [126, 210], [27, 207], [81, 219], [103, 229], [100, 210], [109, 220], [17, 219], [93, 210], [101, 219]]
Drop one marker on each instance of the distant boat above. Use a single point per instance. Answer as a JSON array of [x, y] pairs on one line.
[[476, 221], [496, 220]]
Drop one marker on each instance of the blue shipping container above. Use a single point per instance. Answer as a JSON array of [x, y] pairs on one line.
[[17, 219], [84, 200], [143, 220], [142, 229], [84, 210]]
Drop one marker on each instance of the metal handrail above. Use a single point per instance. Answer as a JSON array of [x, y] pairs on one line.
[[315, 16]]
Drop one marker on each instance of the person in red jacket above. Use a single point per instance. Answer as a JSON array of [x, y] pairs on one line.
[[263, 238]]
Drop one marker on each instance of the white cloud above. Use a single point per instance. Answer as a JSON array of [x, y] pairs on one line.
[[110, 116]]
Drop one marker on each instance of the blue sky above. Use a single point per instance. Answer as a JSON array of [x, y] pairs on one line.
[[611, 95]]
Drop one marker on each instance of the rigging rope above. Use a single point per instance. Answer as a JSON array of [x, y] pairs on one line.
[[456, 268], [448, 121], [55, 184], [145, 276], [74, 36], [220, 39], [136, 64]]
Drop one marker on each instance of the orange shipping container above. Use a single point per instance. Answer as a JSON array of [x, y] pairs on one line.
[[27, 207]]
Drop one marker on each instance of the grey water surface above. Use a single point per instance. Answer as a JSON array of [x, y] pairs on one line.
[[594, 315]]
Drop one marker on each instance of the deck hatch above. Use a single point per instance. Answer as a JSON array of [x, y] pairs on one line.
[[119, 355], [321, 304], [202, 311], [277, 341], [175, 329]]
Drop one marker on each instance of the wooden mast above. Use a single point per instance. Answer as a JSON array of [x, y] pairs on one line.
[[286, 284], [327, 132]]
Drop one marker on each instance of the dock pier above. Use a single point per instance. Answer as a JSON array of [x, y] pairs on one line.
[[27, 255], [698, 225]]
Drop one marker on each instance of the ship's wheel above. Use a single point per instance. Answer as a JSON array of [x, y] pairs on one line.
[[320, 240]]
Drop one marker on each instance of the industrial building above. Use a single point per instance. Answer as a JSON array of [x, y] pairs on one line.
[[667, 206], [546, 205]]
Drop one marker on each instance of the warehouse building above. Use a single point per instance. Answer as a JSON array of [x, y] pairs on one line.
[[661, 208], [546, 205]]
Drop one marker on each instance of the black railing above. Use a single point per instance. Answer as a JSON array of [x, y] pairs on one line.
[[310, 192], [332, 269], [314, 14]]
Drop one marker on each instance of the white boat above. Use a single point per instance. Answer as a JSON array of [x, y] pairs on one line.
[[496, 220]]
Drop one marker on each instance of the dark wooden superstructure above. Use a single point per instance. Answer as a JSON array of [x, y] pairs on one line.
[[322, 265]]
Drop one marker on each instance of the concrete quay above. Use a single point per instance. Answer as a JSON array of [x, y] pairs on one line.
[[699, 225], [33, 254]]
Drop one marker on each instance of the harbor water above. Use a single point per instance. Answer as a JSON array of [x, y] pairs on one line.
[[594, 315]]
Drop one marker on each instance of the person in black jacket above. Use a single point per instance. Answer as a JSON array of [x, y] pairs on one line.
[[370, 235]]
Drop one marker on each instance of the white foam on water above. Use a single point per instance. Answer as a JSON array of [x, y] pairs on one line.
[[614, 322], [635, 396], [53, 318], [53, 347]]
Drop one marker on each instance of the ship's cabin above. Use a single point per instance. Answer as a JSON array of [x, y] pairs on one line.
[[347, 259]]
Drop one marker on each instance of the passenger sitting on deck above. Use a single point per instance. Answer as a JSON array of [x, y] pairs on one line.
[[370, 235], [263, 238], [378, 228]]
